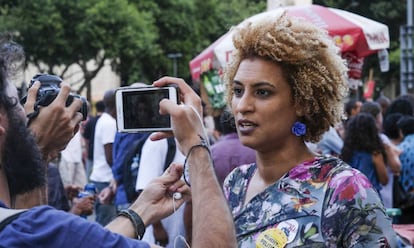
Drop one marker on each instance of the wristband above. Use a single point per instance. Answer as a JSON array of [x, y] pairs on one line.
[[203, 144], [136, 220]]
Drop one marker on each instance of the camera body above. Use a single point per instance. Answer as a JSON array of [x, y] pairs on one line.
[[48, 91]]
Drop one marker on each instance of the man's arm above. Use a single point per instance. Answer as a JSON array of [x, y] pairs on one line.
[[155, 202], [215, 227], [212, 228], [108, 153]]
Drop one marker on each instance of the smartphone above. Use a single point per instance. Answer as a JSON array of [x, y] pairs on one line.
[[138, 108]]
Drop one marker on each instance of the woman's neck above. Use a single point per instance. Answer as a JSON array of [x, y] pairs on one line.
[[273, 165]]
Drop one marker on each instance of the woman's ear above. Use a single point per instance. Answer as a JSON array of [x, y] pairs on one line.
[[300, 111]]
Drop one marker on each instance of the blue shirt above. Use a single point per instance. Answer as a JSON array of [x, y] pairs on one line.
[[362, 161], [44, 226], [119, 149], [407, 163], [331, 143]]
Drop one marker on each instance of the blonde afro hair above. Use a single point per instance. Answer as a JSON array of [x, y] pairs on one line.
[[310, 61]]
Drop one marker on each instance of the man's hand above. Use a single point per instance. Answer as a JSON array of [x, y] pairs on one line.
[[83, 206], [156, 200], [186, 116], [106, 195], [72, 191], [56, 124]]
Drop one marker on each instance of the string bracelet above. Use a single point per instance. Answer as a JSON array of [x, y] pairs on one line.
[[136, 220], [203, 144]]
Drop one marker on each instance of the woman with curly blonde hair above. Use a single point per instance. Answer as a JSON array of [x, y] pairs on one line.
[[286, 83]]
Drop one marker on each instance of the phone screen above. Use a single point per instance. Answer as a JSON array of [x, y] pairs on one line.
[[141, 109]]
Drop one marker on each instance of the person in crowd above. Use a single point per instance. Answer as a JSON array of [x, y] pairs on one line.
[[406, 127], [392, 152], [408, 97], [384, 102], [286, 82], [352, 107], [70, 164], [22, 170], [364, 150], [65, 198], [120, 146], [331, 143], [400, 105], [228, 153], [89, 133], [390, 128], [151, 165], [101, 176]]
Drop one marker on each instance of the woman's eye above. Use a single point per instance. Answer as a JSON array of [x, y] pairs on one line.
[[237, 91], [262, 92]]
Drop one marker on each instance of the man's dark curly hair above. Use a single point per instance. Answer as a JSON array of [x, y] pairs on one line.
[[11, 61]]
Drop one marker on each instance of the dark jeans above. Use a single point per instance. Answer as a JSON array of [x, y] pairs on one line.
[[104, 212]]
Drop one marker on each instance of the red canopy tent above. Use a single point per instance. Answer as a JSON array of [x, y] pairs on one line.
[[356, 36]]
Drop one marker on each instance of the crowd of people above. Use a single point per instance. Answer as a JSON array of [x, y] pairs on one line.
[[260, 184], [374, 138]]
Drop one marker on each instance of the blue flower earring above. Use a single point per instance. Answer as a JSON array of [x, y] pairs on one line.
[[299, 129]]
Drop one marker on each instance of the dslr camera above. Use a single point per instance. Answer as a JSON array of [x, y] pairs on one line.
[[48, 91]]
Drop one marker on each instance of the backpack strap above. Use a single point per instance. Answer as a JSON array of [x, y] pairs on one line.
[[9, 215], [170, 153]]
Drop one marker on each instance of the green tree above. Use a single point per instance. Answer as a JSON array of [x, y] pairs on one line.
[[189, 26], [59, 33], [136, 35]]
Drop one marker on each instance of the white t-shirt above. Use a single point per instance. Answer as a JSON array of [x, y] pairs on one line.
[[73, 151], [105, 131], [151, 165]]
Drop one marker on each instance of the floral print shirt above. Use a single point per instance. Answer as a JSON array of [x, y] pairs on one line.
[[318, 203]]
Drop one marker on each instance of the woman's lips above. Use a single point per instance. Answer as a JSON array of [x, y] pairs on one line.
[[246, 127]]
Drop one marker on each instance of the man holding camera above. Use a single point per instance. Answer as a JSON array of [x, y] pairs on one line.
[[22, 169]]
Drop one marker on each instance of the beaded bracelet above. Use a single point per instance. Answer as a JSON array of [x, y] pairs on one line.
[[136, 220], [202, 144]]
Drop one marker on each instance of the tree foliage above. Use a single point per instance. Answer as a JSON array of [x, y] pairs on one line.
[[59, 33], [136, 36]]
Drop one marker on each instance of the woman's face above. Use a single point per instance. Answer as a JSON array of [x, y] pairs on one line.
[[262, 104]]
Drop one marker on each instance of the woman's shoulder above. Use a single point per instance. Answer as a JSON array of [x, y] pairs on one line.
[[240, 173], [244, 169], [320, 168]]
